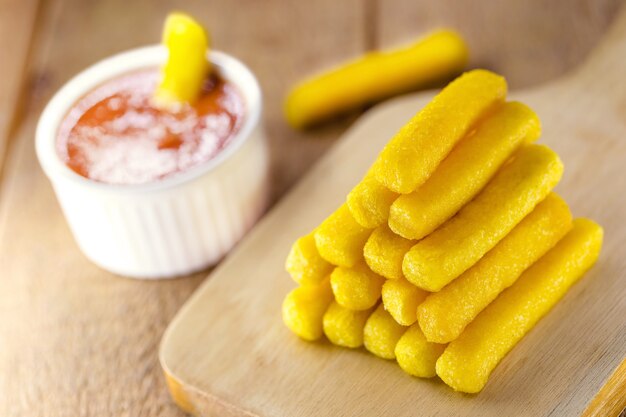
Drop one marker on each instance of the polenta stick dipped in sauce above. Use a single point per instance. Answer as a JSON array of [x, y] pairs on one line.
[[468, 361], [413, 154], [514, 192], [381, 333], [416, 355], [444, 314], [150, 124], [465, 171], [376, 76], [187, 67], [304, 307], [344, 327]]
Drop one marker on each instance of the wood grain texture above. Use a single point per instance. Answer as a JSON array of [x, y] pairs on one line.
[[611, 399], [17, 19], [75, 341], [509, 35], [228, 353]]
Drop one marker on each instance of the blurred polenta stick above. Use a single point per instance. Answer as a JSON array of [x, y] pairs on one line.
[[375, 76]]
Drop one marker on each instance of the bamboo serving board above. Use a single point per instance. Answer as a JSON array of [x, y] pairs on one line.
[[227, 352]]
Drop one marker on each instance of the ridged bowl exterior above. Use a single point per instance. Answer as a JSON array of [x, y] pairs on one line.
[[175, 231]]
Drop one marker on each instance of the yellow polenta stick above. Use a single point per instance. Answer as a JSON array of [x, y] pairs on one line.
[[468, 361], [457, 245], [401, 299], [465, 171], [340, 239], [381, 333], [369, 202], [304, 263], [344, 327], [416, 150], [376, 76], [444, 314], [356, 288], [416, 355], [187, 66], [384, 252], [304, 308]]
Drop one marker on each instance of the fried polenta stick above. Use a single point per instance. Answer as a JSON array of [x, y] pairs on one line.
[[304, 308], [305, 264], [344, 327], [340, 239], [356, 288], [384, 252], [465, 171], [514, 192], [375, 76], [401, 299], [468, 361], [369, 201], [187, 66], [416, 355], [416, 150], [381, 333], [444, 314]]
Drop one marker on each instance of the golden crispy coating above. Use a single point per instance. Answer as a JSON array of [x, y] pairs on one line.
[[416, 150], [465, 171], [416, 355], [514, 192], [468, 361], [444, 314], [375, 76], [384, 252], [381, 333], [304, 308], [340, 239], [356, 288], [344, 327], [305, 264], [401, 299], [369, 202]]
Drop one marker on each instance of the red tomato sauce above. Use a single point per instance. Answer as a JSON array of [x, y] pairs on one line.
[[116, 135]]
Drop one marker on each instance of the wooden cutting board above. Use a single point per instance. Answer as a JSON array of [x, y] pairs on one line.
[[227, 352]]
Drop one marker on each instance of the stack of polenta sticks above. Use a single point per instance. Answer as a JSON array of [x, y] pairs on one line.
[[452, 246]]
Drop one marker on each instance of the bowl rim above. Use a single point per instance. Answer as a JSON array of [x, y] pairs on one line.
[[150, 56]]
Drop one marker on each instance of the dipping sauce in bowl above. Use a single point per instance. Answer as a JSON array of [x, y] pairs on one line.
[[152, 192], [117, 135]]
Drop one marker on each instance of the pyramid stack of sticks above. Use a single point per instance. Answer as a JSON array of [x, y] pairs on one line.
[[451, 247]]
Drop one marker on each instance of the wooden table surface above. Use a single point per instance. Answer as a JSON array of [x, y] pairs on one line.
[[76, 341]]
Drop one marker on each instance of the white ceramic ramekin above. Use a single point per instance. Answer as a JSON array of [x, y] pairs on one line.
[[170, 227]]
